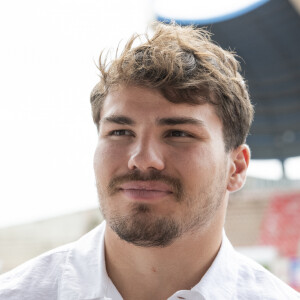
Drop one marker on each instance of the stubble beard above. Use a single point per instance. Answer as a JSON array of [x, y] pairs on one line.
[[142, 227]]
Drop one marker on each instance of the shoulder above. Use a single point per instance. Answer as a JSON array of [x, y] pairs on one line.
[[43, 271], [255, 281], [41, 277]]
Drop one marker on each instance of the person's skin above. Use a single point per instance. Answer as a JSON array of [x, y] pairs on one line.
[[194, 154]]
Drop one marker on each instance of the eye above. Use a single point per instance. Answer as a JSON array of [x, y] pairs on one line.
[[120, 132], [178, 133]]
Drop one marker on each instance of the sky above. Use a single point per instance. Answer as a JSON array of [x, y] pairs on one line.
[[203, 10], [48, 68]]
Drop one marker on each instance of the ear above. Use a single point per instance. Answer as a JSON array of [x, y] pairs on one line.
[[240, 158]]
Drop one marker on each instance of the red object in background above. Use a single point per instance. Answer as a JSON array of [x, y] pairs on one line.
[[281, 224]]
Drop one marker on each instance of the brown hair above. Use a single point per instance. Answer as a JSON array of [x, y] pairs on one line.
[[186, 66]]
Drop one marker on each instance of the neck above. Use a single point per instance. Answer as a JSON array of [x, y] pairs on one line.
[[157, 273]]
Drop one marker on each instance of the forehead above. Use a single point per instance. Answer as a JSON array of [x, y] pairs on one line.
[[143, 104]]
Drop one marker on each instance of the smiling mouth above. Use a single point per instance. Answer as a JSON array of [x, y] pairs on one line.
[[145, 190], [144, 194]]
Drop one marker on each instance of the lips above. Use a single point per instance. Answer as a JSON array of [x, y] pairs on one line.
[[145, 190], [147, 186]]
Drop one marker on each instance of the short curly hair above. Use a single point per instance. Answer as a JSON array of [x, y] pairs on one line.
[[186, 66]]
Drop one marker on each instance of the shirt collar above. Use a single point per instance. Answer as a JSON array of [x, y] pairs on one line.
[[84, 275], [220, 280]]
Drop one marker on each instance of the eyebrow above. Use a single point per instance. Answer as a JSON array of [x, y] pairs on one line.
[[179, 121], [172, 121], [119, 119]]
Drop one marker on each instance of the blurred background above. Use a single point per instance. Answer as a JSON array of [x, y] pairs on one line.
[[48, 64]]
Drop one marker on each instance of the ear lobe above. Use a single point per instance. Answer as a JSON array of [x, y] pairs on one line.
[[240, 161]]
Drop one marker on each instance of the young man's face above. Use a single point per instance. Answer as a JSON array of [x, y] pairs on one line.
[[161, 168]]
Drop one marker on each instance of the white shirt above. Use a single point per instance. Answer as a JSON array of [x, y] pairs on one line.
[[77, 272]]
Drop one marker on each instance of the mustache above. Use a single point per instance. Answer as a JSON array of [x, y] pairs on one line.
[[152, 175]]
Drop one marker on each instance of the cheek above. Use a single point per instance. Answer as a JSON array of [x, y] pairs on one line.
[[195, 166], [107, 159], [191, 159]]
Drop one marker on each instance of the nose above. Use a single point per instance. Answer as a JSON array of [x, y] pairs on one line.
[[146, 154]]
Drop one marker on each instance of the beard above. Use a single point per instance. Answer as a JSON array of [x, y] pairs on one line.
[[143, 229], [141, 226]]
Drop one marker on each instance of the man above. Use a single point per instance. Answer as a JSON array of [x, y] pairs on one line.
[[172, 115]]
